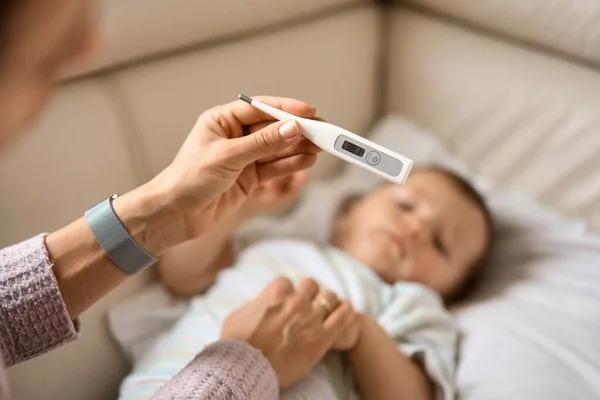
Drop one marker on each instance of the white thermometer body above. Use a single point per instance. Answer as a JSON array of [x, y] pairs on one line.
[[346, 145]]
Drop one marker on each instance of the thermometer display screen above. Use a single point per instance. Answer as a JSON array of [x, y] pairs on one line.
[[352, 148]]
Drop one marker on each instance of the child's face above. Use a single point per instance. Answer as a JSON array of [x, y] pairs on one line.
[[426, 231]]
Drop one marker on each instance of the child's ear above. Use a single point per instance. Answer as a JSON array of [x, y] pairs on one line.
[[347, 205]]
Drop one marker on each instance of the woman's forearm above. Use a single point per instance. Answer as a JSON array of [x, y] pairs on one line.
[[382, 371], [83, 270]]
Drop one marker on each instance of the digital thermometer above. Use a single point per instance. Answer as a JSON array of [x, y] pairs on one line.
[[345, 145]]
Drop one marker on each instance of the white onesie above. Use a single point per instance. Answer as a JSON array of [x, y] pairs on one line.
[[410, 313]]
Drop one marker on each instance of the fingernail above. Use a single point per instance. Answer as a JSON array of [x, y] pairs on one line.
[[289, 130]]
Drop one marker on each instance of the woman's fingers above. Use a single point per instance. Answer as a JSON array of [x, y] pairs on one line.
[[303, 146], [339, 320], [324, 304], [274, 294], [243, 321], [260, 125], [284, 184], [287, 185], [298, 306], [307, 288], [284, 166]]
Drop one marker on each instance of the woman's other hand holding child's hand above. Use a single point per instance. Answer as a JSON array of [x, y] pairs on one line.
[[287, 323]]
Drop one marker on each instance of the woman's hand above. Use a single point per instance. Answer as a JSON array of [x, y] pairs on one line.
[[293, 328], [215, 171], [218, 169], [274, 195]]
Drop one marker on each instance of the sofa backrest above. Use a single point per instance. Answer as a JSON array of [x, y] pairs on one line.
[[117, 122], [513, 87]]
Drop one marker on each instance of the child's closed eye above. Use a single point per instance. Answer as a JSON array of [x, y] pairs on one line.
[[405, 205], [439, 244]]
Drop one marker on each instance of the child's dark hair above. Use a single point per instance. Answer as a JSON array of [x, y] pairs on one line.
[[467, 189], [6, 12]]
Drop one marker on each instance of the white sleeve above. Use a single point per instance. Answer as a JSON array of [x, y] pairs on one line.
[[424, 330]]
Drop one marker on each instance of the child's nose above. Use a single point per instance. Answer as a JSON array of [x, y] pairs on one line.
[[417, 228]]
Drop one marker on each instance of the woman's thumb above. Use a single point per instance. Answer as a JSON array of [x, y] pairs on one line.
[[264, 143]]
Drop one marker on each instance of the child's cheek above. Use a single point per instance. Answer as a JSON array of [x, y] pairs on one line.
[[425, 268]]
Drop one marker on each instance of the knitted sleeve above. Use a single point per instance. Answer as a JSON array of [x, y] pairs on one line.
[[225, 370], [33, 315]]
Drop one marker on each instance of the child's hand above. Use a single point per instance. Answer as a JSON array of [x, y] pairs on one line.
[[275, 194], [349, 339]]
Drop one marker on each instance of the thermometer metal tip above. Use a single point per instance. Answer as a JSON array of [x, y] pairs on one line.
[[245, 98]]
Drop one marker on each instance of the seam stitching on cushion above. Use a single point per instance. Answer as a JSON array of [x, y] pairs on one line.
[[383, 58], [132, 133]]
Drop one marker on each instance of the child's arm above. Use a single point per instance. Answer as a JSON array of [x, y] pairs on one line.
[[381, 370], [192, 267]]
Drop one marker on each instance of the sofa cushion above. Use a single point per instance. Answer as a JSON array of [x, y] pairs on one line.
[[523, 119], [78, 154], [331, 63], [569, 26], [136, 29]]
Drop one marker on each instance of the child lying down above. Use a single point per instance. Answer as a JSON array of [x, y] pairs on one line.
[[398, 254]]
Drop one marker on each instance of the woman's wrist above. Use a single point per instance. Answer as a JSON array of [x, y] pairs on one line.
[[151, 219]]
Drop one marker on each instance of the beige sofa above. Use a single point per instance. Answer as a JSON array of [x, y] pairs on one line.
[[511, 86]]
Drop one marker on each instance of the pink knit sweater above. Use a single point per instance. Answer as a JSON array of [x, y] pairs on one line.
[[34, 320]]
